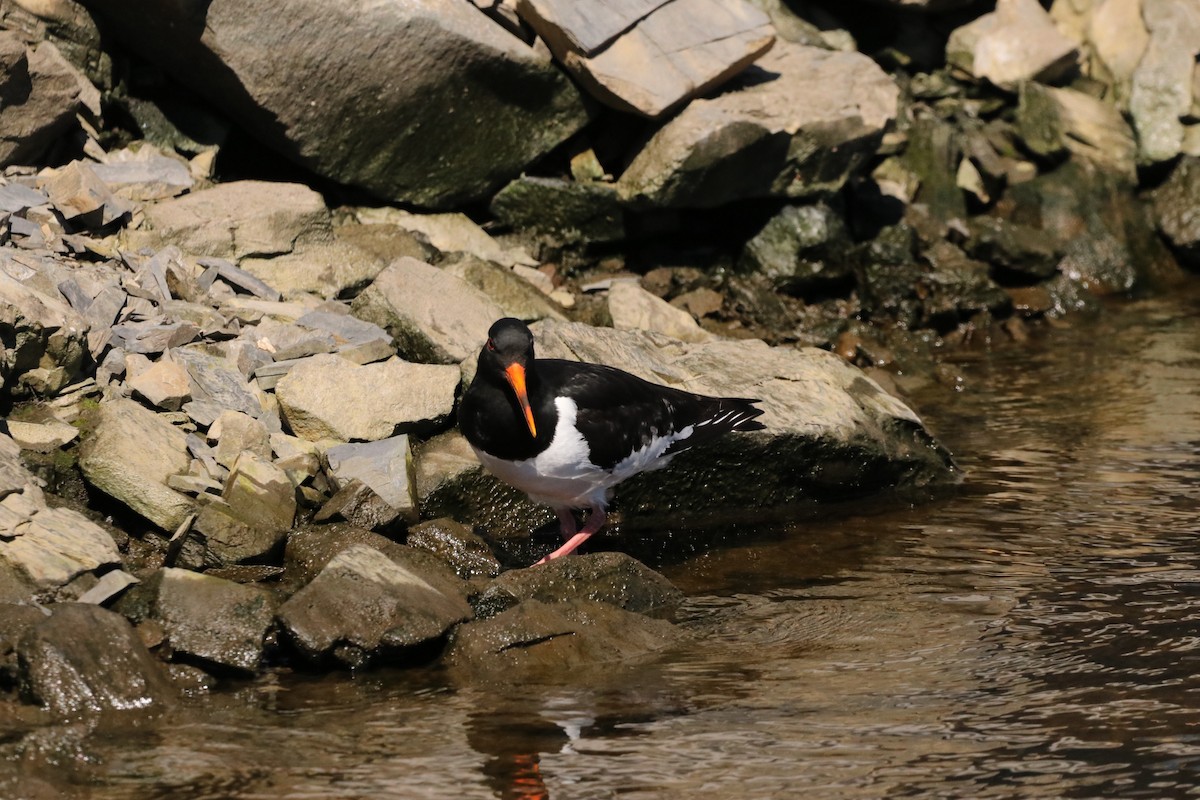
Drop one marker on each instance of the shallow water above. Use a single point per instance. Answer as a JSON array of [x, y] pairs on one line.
[[1033, 634]]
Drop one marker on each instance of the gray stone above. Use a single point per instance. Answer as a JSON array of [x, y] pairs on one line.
[[42, 92], [326, 269], [46, 333], [287, 340], [802, 248], [226, 538], [551, 639], [391, 397], [518, 297], [16, 198], [42, 437], [566, 212], [216, 620], [958, 287], [663, 55], [433, 316], [362, 602], [78, 193], [448, 233], [397, 87], [144, 174], [240, 278], [1162, 84], [799, 133], [165, 384], [1016, 42], [218, 381], [1054, 122], [260, 493], [632, 308], [110, 585], [1177, 210], [385, 467], [612, 578], [236, 220], [1012, 249], [84, 659], [129, 456], [456, 544], [235, 433]]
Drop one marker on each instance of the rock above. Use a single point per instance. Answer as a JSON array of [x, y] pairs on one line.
[[385, 468], [129, 456], [649, 57], [518, 297], [831, 432], [391, 397], [236, 220], [932, 155], [363, 602], [50, 547], [218, 383], [110, 585], [84, 659], [165, 384], [42, 437], [144, 174], [456, 544], [326, 269], [1177, 210], [612, 578], [216, 620], [957, 288], [448, 233], [43, 93], [1016, 42], [632, 308], [79, 194], [260, 494], [15, 620], [239, 278], [46, 334], [311, 548], [225, 538], [566, 212], [433, 316], [1016, 253], [801, 249], [1162, 96], [235, 433], [798, 134], [1054, 122], [536, 638], [397, 87]]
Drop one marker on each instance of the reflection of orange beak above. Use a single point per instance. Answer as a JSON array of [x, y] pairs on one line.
[[516, 379]]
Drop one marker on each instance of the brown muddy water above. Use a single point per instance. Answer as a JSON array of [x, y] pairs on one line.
[[1034, 633]]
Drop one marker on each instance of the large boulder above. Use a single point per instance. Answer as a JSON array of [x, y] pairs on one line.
[[424, 102], [42, 94], [831, 432], [813, 117]]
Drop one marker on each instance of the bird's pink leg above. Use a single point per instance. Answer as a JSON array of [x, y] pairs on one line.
[[566, 521], [595, 522]]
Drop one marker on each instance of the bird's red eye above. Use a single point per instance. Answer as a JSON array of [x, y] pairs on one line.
[[491, 345]]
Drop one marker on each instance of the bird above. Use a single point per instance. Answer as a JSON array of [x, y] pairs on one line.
[[567, 432]]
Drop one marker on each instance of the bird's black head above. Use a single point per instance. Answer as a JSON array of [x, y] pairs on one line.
[[508, 353]]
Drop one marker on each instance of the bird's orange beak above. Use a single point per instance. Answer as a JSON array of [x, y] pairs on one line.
[[516, 379]]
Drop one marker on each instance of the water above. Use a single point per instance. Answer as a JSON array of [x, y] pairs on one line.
[[1033, 635]]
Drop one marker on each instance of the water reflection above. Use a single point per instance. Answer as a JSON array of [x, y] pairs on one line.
[[1032, 634]]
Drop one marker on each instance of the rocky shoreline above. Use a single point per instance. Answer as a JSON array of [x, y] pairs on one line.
[[229, 438]]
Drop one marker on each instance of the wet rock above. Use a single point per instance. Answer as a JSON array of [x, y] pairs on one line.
[[566, 212], [235, 220], [434, 316], [384, 468], [830, 430], [165, 385], [1177, 210], [15, 620], [958, 287], [542, 638], [1161, 97], [933, 155], [84, 658], [224, 538], [1055, 122], [457, 545], [801, 250], [518, 297], [612, 578], [255, 62], [632, 308], [129, 456], [814, 117], [49, 547], [46, 347], [1016, 253], [43, 93], [391, 397], [1016, 42], [216, 620], [362, 602], [650, 57]]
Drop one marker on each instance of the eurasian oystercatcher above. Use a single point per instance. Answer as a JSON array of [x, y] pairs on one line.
[[566, 432]]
